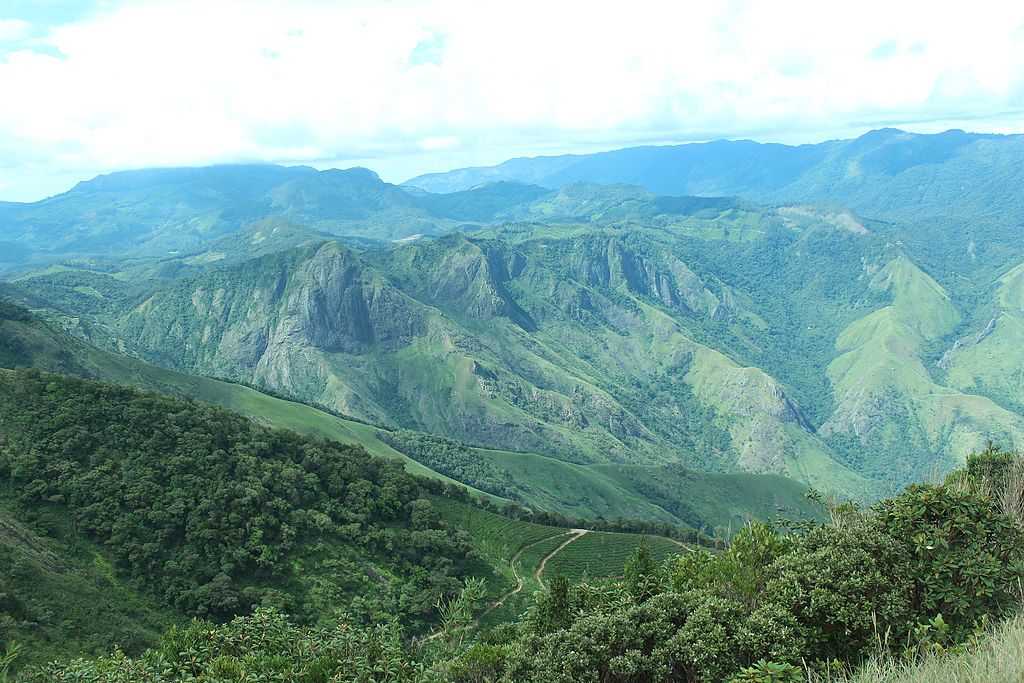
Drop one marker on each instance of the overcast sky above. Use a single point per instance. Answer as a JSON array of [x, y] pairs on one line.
[[410, 87]]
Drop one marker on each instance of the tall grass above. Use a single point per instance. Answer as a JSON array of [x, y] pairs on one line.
[[998, 658]]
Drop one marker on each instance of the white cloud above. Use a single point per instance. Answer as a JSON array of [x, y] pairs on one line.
[[412, 86], [438, 143], [13, 29]]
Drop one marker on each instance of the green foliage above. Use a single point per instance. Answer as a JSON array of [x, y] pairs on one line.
[[7, 660], [769, 672], [12, 311], [991, 655], [740, 573], [58, 595], [642, 574], [453, 459], [768, 605], [769, 609], [215, 514], [261, 648], [456, 613], [841, 588], [965, 556], [992, 471], [555, 607], [481, 663]]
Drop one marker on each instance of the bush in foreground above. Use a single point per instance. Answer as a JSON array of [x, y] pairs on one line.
[[913, 576], [833, 595]]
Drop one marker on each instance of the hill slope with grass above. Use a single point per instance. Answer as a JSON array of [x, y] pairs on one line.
[[792, 341], [710, 502], [491, 342]]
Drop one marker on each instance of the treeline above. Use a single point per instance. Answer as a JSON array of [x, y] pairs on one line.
[[216, 515], [620, 525], [453, 459], [923, 572], [12, 311], [265, 646], [460, 462]]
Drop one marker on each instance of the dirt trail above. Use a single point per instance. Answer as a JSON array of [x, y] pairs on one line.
[[520, 584], [681, 545], [515, 572], [575, 534]]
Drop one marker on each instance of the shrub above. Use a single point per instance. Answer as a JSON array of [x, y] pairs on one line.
[[843, 586], [966, 556], [769, 672], [264, 646]]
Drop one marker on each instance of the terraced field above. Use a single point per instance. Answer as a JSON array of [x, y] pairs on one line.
[[492, 532], [598, 555], [533, 556], [528, 554]]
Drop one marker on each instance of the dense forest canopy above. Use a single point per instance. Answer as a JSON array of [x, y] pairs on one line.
[[215, 514]]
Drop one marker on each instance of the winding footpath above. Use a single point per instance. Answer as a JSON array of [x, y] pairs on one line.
[[520, 583], [575, 535]]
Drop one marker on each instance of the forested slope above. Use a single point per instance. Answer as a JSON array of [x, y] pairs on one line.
[[210, 514], [539, 482]]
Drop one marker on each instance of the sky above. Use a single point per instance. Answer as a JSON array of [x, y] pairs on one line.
[[411, 87]]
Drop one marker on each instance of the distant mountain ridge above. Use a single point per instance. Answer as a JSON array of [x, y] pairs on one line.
[[947, 194], [716, 168], [166, 212]]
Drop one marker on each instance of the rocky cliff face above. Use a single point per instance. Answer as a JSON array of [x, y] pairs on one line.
[[553, 346], [614, 344]]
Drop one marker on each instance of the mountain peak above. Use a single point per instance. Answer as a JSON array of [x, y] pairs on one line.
[[355, 173]]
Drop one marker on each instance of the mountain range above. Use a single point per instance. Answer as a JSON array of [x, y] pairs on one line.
[[239, 388], [846, 314]]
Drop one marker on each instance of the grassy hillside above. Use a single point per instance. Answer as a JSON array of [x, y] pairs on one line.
[[29, 343], [887, 396], [721, 503], [537, 481], [528, 555], [988, 359], [598, 554]]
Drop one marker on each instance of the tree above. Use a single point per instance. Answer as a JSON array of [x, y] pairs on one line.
[[642, 574]]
